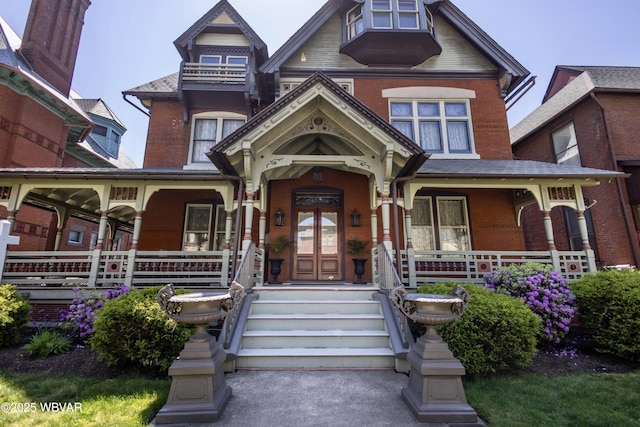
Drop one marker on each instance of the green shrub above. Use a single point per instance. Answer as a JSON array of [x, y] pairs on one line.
[[132, 330], [14, 315], [48, 343], [497, 333], [609, 310]]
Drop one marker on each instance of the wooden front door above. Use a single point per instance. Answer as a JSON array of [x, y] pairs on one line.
[[318, 249]]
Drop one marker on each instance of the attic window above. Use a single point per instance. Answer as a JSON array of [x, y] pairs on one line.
[[99, 130]]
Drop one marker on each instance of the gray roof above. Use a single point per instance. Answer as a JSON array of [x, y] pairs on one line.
[[618, 79], [610, 77], [167, 85], [99, 108], [477, 168]]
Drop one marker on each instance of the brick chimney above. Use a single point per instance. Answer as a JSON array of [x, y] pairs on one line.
[[51, 39]]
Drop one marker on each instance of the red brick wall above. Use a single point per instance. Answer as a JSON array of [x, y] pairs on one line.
[[168, 137], [30, 135], [488, 114]]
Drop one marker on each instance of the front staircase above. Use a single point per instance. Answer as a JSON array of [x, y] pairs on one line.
[[315, 327]]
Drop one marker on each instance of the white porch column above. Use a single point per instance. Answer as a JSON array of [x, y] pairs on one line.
[[102, 229], [263, 229], [374, 227], [137, 225], [227, 230], [248, 220], [584, 234], [386, 220], [548, 229]]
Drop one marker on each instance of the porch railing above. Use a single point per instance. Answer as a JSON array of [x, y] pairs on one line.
[[249, 273], [388, 281], [108, 268], [432, 266]]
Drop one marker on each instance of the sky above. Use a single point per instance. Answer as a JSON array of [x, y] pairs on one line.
[[126, 43]]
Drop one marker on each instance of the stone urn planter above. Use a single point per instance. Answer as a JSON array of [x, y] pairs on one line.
[[198, 391], [435, 393]]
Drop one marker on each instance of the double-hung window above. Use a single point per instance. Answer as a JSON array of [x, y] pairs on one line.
[[381, 14], [440, 223], [438, 126], [565, 145], [197, 227], [207, 130]]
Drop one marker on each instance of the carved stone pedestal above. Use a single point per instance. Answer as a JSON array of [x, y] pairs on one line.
[[435, 393], [198, 391]]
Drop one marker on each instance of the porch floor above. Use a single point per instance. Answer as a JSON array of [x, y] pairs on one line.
[[295, 398]]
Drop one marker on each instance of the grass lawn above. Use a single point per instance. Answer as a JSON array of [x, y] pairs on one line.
[[126, 401], [583, 399]]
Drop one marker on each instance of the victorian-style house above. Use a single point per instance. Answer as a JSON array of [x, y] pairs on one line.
[[382, 121]]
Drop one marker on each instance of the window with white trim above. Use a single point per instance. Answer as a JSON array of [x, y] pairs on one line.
[[565, 145], [440, 223], [438, 126], [207, 130], [355, 23], [197, 227]]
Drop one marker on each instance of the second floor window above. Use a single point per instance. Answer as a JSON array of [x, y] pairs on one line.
[[565, 145], [438, 126], [208, 131]]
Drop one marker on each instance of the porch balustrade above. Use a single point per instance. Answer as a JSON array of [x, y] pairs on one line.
[[109, 268], [214, 73], [420, 267], [213, 268]]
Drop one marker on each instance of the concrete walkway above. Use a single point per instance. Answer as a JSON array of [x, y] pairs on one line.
[[349, 398]]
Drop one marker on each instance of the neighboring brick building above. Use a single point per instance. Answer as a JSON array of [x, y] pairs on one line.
[[43, 126], [590, 117]]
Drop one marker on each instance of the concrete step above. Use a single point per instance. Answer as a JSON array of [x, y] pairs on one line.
[[314, 322], [315, 339], [304, 358], [291, 306], [316, 292], [315, 327]]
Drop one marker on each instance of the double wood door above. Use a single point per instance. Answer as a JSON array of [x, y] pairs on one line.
[[318, 248]]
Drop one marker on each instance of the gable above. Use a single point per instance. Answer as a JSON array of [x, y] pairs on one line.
[[317, 124]]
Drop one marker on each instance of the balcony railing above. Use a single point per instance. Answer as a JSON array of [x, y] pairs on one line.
[[196, 72]]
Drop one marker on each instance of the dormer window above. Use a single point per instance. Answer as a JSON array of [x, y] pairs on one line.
[[375, 29]]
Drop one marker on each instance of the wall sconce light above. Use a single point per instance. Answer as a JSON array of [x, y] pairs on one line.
[[279, 218], [355, 218]]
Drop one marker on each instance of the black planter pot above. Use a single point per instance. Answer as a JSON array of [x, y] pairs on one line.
[[359, 269], [275, 265]]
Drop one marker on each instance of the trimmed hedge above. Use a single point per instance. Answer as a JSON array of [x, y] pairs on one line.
[[132, 330], [609, 310], [497, 333], [14, 315]]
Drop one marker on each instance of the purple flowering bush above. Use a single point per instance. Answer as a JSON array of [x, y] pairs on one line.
[[78, 320], [543, 290]]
